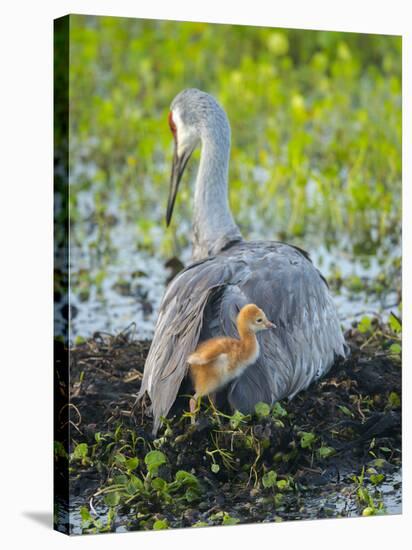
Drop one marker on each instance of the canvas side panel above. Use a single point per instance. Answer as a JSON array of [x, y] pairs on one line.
[[61, 274]]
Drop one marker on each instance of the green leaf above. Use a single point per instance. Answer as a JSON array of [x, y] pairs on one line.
[[229, 520], [215, 468], [363, 494], [186, 478], [192, 494], [262, 409], [395, 348], [159, 484], [159, 442], [217, 515], [354, 283], [118, 432], [368, 511], [278, 423], [236, 419], [59, 449], [394, 323], [85, 514], [307, 439], [119, 459], [345, 410], [160, 524], [394, 400], [81, 451], [120, 479], [376, 479], [153, 460], [278, 499], [365, 324], [278, 410], [282, 484], [135, 485], [111, 514], [132, 463], [112, 499], [269, 479], [325, 452]]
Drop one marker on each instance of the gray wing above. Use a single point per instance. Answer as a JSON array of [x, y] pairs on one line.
[[178, 329], [203, 301]]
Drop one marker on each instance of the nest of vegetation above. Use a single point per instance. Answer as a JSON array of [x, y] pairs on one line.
[[341, 435]]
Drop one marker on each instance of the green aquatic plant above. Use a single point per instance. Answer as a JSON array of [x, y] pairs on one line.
[[160, 524], [81, 454], [317, 132], [371, 503], [326, 452], [153, 461], [142, 489], [262, 410], [387, 336], [269, 479], [307, 439], [270, 463], [224, 518]]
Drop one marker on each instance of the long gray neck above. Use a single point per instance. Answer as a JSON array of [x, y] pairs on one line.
[[213, 223]]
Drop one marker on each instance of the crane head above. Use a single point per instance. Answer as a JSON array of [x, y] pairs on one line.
[[185, 142], [194, 116]]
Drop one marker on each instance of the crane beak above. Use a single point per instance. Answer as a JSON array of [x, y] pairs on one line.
[[268, 324], [178, 167]]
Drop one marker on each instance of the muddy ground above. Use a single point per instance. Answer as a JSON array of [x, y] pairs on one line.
[[335, 448]]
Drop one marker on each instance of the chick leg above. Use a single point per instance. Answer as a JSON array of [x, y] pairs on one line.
[[193, 403], [215, 412]]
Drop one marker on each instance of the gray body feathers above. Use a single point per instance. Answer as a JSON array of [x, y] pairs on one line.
[[204, 300]]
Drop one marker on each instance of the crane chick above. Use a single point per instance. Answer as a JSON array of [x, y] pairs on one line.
[[218, 361]]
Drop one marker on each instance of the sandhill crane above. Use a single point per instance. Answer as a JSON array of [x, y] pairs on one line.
[[204, 299]]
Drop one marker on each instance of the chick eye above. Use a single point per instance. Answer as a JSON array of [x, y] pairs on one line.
[[259, 320]]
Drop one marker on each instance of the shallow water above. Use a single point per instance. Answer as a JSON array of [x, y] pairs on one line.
[[338, 500], [114, 283], [330, 501]]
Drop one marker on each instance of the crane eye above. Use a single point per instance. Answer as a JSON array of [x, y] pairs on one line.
[[259, 320]]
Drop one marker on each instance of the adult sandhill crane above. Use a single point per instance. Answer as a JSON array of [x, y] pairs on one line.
[[204, 299]]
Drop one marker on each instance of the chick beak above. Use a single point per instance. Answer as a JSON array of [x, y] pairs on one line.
[[268, 324]]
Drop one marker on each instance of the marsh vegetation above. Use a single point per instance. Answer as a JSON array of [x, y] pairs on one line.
[[333, 451]]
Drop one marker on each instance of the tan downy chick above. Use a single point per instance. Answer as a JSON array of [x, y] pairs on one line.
[[217, 361]]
